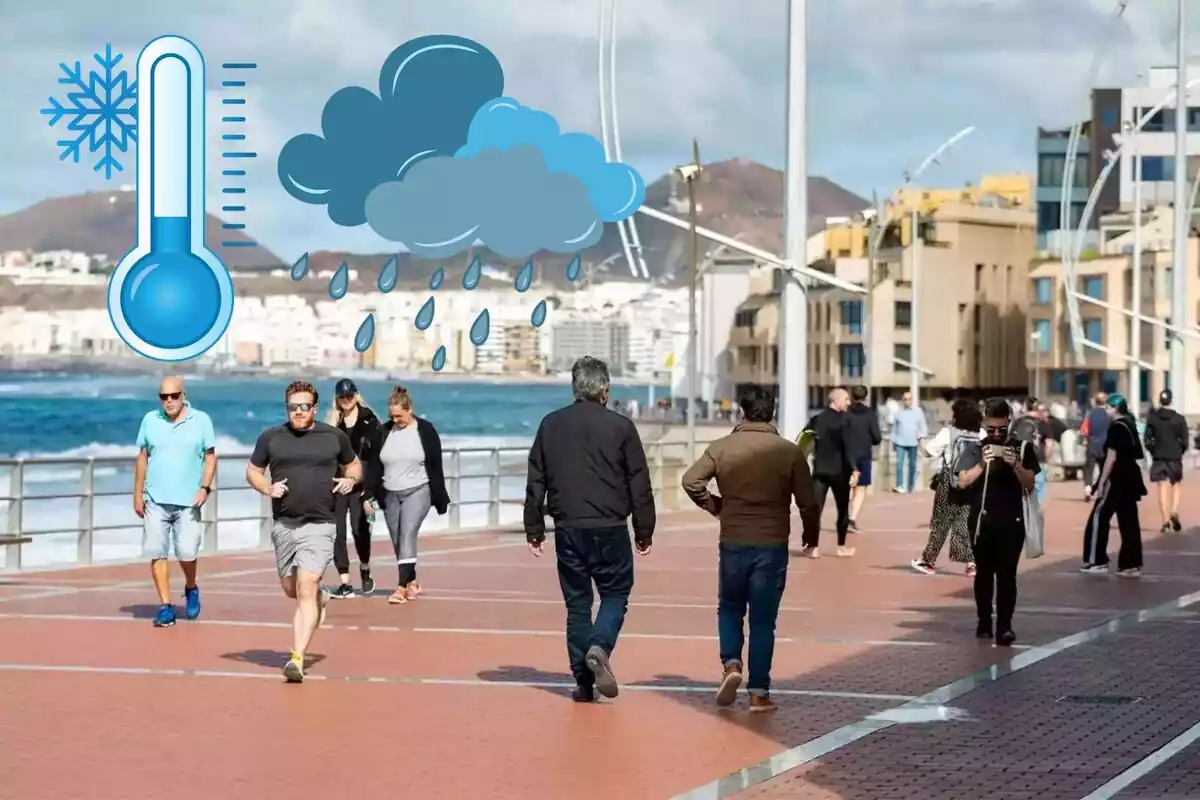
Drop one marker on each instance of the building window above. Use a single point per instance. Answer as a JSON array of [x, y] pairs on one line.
[[979, 277], [1093, 330], [1093, 286], [1041, 337], [1058, 382], [903, 314], [903, 352], [1108, 117], [1048, 216], [852, 316], [1154, 168], [744, 319], [1042, 291], [851, 356], [1050, 169], [1109, 380]]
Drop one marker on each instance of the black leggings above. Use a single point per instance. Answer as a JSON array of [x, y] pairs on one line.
[[351, 503], [840, 486]]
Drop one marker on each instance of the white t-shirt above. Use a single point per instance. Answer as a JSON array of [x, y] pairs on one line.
[[403, 460]]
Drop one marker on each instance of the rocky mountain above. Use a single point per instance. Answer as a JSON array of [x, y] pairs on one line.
[[735, 197]]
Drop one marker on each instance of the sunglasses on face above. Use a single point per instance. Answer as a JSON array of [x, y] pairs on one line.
[[997, 430], [165, 396], [299, 408]]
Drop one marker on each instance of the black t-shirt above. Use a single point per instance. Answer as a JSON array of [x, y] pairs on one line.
[[309, 461], [1004, 491], [1125, 480], [831, 457]]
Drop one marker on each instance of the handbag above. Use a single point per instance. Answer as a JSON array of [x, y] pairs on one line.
[[1035, 542]]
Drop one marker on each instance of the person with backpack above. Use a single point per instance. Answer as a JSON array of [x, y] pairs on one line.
[[1117, 491], [951, 507], [1167, 440]]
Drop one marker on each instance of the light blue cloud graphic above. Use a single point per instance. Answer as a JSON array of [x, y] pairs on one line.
[[615, 190], [508, 199]]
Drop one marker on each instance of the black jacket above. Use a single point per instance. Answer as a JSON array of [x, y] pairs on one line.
[[832, 457], [1166, 434], [431, 443], [862, 432], [587, 469], [365, 435]]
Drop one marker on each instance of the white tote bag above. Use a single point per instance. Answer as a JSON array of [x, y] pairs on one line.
[[1035, 542]]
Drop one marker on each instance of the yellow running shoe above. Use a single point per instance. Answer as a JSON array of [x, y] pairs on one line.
[[293, 670]]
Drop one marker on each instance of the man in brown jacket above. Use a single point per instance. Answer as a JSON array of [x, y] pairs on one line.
[[758, 474]]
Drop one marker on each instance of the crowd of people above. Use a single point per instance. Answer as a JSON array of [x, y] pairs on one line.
[[587, 472]]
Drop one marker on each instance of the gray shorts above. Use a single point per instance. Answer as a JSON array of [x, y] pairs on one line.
[[307, 546]]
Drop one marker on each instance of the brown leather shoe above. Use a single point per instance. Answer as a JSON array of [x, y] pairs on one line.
[[731, 681], [761, 702]]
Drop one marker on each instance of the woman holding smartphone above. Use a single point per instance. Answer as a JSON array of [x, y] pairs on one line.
[[999, 485]]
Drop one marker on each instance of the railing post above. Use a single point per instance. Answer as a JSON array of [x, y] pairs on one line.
[[455, 493], [16, 511], [494, 490], [83, 544], [264, 522], [660, 469], [210, 515]]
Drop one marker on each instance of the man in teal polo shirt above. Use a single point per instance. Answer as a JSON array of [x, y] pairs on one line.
[[176, 466]]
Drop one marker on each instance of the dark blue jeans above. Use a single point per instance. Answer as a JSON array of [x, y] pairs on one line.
[[754, 577], [603, 556]]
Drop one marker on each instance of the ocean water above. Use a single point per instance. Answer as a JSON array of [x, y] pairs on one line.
[[81, 416]]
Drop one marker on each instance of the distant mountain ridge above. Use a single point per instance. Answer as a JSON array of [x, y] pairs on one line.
[[736, 197]]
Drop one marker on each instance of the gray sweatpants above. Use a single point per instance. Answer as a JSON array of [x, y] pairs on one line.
[[404, 512]]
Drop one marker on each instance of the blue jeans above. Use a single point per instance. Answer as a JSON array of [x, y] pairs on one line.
[[906, 467], [603, 556], [755, 577], [1039, 486]]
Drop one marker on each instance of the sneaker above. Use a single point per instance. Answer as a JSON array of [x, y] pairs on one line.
[[1132, 572], [1094, 569], [853, 526], [368, 583], [922, 567], [760, 703], [293, 670], [1166, 528], [844, 552], [323, 595], [597, 662], [165, 617], [583, 694], [342, 592], [970, 570], [984, 629], [1006, 639], [731, 681], [192, 599], [1176, 525], [808, 551]]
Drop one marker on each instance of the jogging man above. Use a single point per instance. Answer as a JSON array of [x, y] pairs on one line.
[[1167, 440], [304, 457], [172, 477]]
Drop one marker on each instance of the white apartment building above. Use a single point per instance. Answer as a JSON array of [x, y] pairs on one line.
[[1156, 141]]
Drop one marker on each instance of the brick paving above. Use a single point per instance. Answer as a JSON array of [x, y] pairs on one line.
[[474, 674], [1177, 779]]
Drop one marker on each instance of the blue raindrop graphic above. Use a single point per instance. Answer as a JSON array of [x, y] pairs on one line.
[[389, 273], [435, 280], [524, 277], [365, 335], [300, 268], [425, 315], [339, 284], [480, 328], [539, 314], [574, 268], [439, 359], [472, 275]]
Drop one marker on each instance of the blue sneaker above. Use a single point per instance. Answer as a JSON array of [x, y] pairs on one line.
[[192, 596], [165, 617]]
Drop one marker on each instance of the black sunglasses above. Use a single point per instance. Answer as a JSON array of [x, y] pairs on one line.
[[303, 408], [164, 396]]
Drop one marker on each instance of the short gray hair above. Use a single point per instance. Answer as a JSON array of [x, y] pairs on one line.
[[589, 379]]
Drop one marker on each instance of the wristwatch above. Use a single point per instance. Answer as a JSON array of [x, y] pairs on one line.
[[207, 489]]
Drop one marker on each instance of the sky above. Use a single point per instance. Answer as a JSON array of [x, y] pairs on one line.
[[888, 80]]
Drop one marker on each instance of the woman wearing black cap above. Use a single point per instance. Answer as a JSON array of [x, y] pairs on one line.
[[352, 416]]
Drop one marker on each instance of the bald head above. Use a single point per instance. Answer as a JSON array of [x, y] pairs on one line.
[[839, 399], [170, 394]]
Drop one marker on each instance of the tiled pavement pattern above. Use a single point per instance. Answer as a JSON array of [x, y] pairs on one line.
[[463, 693], [1177, 779]]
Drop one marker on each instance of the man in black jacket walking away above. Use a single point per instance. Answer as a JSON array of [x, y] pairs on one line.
[[862, 436], [587, 471], [1167, 440], [833, 469]]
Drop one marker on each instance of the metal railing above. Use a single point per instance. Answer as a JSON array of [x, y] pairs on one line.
[[79, 511]]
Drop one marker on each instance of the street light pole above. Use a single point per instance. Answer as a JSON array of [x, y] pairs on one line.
[[1135, 322], [914, 385], [691, 176], [1179, 275], [792, 374]]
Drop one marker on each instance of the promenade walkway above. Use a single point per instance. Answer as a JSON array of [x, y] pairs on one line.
[[464, 693]]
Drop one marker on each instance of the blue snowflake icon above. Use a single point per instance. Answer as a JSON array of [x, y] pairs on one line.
[[102, 109]]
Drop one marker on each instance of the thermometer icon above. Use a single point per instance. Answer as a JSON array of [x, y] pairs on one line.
[[170, 298]]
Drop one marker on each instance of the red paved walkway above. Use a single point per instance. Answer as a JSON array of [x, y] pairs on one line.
[[463, 693]]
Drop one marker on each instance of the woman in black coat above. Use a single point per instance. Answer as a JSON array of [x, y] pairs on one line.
[[351, 415], [408, 479]]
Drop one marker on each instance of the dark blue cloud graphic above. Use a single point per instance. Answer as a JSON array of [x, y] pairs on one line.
[[430, 89], [508, 199]]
